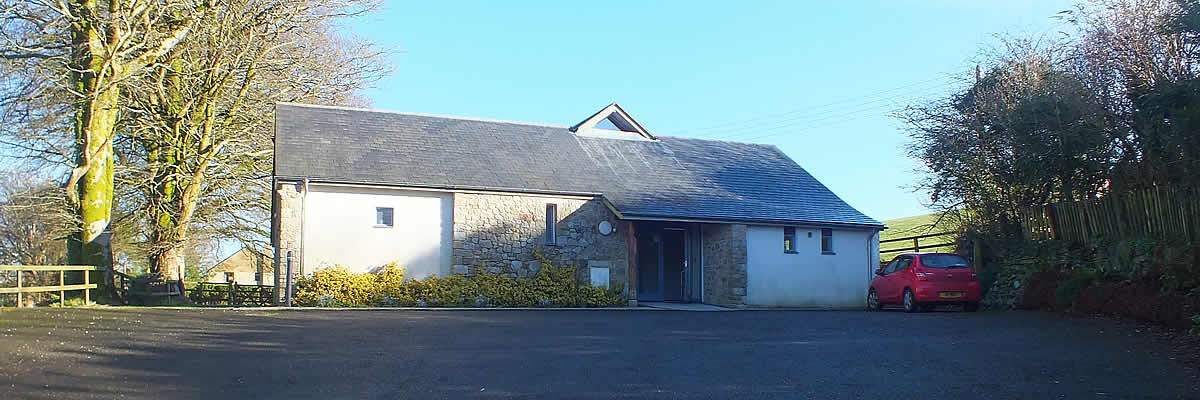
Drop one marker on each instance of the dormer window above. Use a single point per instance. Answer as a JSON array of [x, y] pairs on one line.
[[607, 124], [612, 122]]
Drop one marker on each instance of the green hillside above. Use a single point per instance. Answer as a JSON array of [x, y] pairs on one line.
[[913, 226]]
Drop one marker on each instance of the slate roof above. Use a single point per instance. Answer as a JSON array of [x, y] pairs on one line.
[[673, 177]]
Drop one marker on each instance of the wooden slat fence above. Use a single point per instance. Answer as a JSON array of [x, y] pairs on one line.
[[941, 241], [62, 288], [1162, 213], [916, 243], [146, 290], [231, 294]]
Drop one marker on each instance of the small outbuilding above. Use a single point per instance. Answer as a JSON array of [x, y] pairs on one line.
[[244, 267]]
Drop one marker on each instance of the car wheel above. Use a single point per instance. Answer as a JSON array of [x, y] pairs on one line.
[[971, 307], [910, 303], [873, 300]]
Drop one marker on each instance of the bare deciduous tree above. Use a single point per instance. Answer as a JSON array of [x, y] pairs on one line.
[[200, 121], [84, 50], [178, 96], [34, 220]]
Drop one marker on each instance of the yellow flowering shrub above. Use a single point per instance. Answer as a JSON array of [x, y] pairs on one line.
[[389, 287], [551, 287], [335, 287]]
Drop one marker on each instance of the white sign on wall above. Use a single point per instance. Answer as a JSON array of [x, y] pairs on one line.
[[600, 276]]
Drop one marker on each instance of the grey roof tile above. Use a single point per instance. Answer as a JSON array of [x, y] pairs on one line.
[[673, 177]]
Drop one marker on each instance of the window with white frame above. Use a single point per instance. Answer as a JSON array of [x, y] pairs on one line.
[[383, 217]]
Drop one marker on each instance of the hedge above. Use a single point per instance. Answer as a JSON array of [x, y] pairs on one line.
[[551, 287]]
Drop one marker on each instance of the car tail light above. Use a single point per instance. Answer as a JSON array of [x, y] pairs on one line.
[[923, 276], [973, 276]]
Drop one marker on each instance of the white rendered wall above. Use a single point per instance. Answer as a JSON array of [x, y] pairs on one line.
[[809, 278], [339, 228], [242, 278]]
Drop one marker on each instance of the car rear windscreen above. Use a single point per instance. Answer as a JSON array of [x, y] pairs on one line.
[[943, 261]]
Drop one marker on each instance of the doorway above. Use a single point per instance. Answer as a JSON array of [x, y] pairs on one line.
[[664, 260]]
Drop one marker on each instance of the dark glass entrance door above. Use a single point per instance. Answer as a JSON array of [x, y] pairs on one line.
[[649, 275], [674, 263], [662, 264]]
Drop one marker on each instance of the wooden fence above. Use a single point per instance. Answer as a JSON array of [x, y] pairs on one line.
[[231, 294], [62, 288], [1162, 213], [146, 291], [916, 243]]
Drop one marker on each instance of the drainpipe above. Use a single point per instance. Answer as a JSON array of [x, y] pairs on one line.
[[872, 265], [303, 221], [288, 286]]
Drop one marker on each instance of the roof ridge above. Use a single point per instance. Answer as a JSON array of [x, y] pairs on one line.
[[717, 140], [416, 114]]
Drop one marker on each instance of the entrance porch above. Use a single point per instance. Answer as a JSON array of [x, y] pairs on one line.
[[666, 257]]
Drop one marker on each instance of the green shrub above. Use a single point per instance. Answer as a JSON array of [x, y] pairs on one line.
[[1180, 269], [1064, 295], [1171, 264], [551, 287], [68, 302]]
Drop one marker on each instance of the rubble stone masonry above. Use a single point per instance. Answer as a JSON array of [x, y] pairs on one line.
[[498, 233]]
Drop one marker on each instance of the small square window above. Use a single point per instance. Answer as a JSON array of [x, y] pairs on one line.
[[827, 241], [551, 222], [229, 277], [383, 217], [789, 239]]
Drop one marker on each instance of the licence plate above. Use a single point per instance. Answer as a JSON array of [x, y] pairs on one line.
[[950, 295]]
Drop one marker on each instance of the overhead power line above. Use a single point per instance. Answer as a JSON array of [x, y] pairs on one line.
[[876, 104], [810, 109]]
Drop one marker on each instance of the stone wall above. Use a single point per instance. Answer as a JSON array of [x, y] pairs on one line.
[[1005, 294], [499, 233], [286, 224], [724, 247]]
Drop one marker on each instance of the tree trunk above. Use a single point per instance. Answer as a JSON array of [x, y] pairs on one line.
[[91, 182], [95, 189], [103, 36], [169, 262]]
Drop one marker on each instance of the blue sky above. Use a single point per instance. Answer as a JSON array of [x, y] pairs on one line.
[[817, 79]]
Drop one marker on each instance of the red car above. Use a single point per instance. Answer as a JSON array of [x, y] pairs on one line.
[[920, 281]]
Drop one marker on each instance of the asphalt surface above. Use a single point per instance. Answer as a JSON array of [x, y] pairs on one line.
[[218, 354]]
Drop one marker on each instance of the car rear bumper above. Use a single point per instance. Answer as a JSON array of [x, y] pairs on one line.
[[943, 292]]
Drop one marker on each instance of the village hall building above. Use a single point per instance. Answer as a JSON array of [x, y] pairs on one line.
[[662, 218]]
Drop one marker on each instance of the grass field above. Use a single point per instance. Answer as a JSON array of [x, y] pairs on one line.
[[913, 226]]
